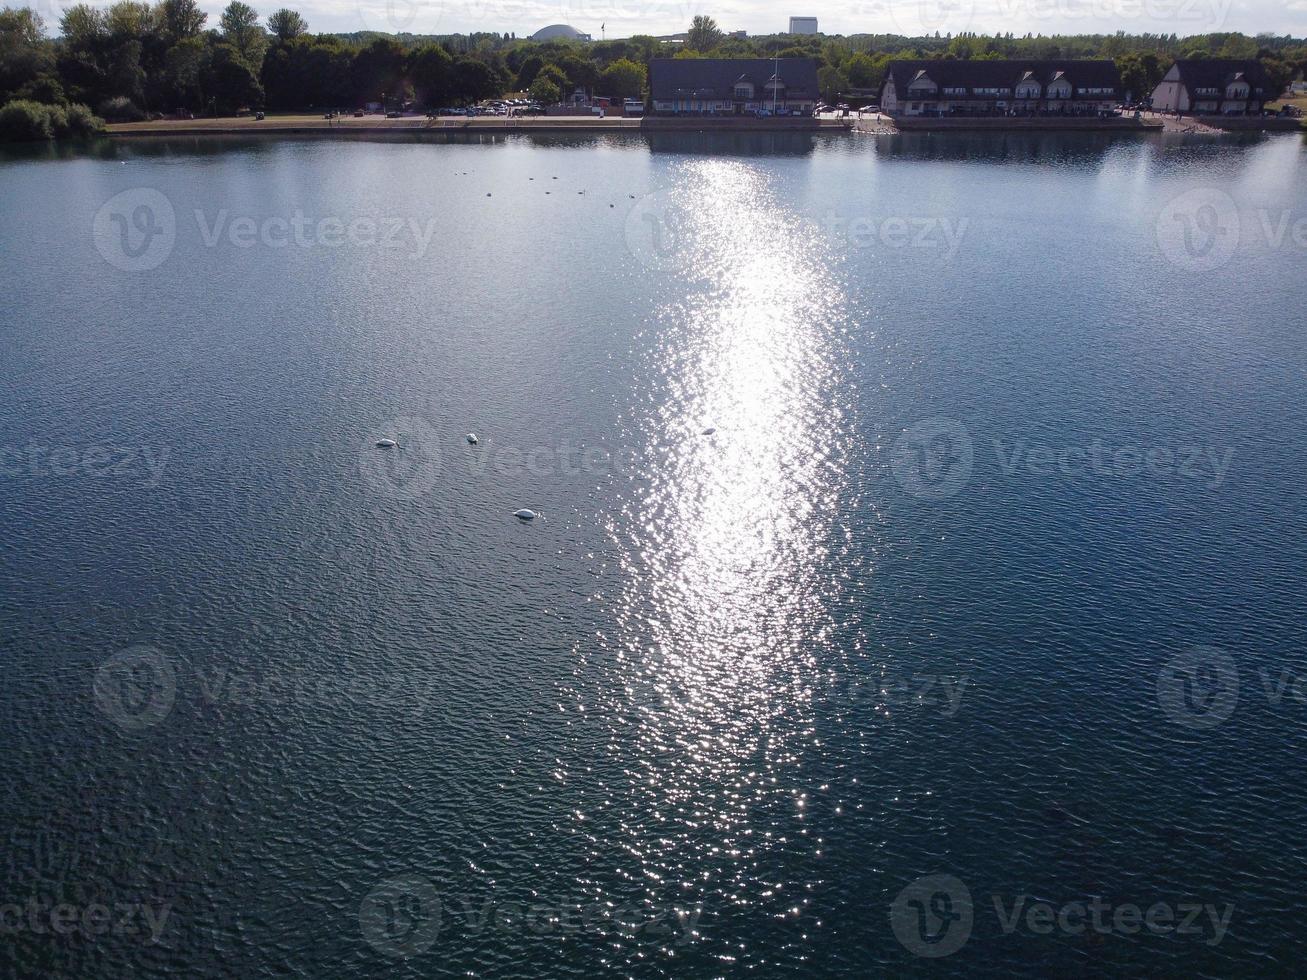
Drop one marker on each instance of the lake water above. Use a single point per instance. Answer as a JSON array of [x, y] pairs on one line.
[[919, 583]]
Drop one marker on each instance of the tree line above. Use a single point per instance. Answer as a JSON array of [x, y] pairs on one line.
[[133, 59]]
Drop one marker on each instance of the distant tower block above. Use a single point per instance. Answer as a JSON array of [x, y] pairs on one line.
[[803, 25]]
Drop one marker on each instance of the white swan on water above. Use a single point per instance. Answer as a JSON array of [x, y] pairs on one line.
[[471, 438], [525, 515], [386, 444]]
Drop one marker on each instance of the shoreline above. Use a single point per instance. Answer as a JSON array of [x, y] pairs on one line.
[[880, 125], [457, 125]]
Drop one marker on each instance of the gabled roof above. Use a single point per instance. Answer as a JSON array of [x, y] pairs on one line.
[[716, 77], [951, 73], [1220, 72]]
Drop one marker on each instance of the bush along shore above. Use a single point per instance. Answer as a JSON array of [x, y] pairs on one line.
[[26, 121]]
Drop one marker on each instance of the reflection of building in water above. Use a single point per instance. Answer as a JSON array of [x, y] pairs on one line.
[[1051, 149], [730, 144]]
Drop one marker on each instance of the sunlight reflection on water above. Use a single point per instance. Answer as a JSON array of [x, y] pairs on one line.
[[731, 541]]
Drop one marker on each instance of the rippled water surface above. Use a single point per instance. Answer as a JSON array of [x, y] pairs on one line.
[[920, 540]]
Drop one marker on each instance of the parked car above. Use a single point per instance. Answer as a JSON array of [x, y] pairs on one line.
[[358, 113], [532, 110], [393, 114]]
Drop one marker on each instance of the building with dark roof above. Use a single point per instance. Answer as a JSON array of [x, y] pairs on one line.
[[721, 86], [1000, 88], [1214, 86]]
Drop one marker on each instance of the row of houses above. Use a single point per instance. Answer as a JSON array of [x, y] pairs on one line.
[[708, 86], [996, 88]]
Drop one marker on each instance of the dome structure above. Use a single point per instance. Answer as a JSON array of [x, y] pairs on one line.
[[555, 31]]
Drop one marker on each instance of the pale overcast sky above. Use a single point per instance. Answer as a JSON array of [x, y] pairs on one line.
[[626, 17]]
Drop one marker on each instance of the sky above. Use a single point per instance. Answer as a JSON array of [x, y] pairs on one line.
[[622, 18]]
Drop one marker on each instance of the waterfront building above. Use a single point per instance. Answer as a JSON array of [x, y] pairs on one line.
[[1214, 86], [1000, 88], [725, 87]]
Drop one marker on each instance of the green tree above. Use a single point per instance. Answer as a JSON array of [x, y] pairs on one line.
[[25, 54], [704, 34], [474, 80], [129, 21], [1279, 71], [378, 69], [179, 83], [229, 82], [430, 69], [554, 74], [82, 26], [831, 83], [528, 70], [180, 19], [286, 25], [1140, 73], [623, 79], [545, 91], [240, 28]]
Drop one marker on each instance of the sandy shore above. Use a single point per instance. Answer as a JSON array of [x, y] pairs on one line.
[[1184, 125]]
